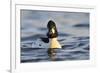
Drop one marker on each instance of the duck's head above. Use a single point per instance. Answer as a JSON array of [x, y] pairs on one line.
[[52, 30]]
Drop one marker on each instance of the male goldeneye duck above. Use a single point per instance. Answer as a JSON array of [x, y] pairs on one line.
[[52, 35], [51, 40]]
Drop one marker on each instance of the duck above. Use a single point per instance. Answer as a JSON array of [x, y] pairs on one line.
[[51, 40], [52, 35]]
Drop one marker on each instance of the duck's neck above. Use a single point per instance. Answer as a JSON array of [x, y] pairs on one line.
[[54, 43]]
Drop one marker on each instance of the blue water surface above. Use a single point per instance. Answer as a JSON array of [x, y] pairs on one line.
[[73, 35]]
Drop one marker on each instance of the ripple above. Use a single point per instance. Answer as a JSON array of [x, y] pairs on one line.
[[70, 45], [30, 60], [82, 25], [78, 52], [42, 29], [86, 48], [63, 34], [33, 37], [30, 49], [82, 38]]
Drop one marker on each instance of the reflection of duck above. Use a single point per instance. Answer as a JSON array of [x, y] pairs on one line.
[[51, 41]]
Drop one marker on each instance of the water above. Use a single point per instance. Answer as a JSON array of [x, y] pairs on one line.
[[73, 35]]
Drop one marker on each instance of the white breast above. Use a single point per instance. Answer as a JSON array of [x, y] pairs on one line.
[[54, 43]]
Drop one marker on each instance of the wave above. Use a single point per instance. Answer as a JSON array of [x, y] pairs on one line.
[[81, 25]]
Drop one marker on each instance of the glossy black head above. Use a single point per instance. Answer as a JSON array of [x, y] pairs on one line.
[[52, 30]]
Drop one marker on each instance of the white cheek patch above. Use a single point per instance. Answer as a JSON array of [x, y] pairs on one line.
[[53, 31]]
